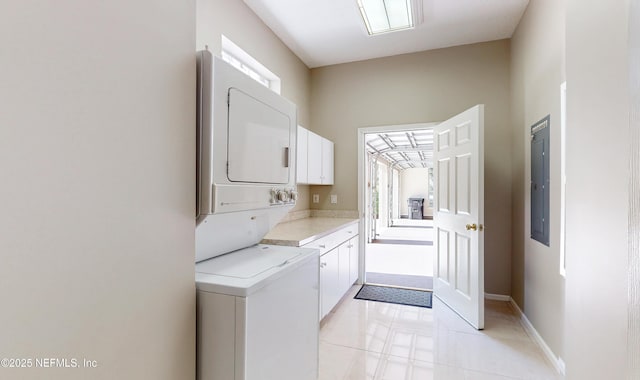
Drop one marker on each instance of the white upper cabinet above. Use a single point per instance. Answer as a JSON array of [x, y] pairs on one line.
[[327, 162], [314, 158], [319, 160], [301, 167]]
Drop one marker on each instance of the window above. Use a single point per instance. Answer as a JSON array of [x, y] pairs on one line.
[[241, 60], [563, 175]]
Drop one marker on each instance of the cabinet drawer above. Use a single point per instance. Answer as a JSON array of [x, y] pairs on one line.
[[325, 244], [346, 233], [331, 241]]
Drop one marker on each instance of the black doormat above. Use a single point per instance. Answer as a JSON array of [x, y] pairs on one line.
[[399, 296]]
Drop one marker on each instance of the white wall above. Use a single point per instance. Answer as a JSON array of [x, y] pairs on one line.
[[97, 113], [414, 183], [598, 161], [537, 71]]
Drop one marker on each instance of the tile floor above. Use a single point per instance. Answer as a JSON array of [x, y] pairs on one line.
[[363, 340]]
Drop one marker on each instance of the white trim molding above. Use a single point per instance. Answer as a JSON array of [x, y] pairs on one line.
[[362, 160], [497, 297], [633, 334], [557, 362]]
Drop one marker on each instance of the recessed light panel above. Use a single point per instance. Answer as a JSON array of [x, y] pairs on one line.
[[382, 16]]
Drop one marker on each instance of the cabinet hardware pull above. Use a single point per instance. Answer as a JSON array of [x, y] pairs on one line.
[[286, 157]]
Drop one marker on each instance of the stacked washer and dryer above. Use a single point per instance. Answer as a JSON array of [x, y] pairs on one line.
[[257, 305]]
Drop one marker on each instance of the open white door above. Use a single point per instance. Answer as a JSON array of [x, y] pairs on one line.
[[459, 214]]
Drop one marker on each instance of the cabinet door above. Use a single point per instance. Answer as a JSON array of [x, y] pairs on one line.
[[327, 162], [329, 280], [314, 158], [344, 284], [301, 156], [353, 260]]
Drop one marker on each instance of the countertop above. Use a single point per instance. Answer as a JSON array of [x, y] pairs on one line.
[[303, 231]]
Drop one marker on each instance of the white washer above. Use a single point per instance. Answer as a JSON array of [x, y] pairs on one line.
[[257, 315]]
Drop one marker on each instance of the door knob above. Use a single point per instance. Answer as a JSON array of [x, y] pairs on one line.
[[471, 227]]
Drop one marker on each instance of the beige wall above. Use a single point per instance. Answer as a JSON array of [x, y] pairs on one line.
[[237, 22], [97, 108], [598, 142], [414, 183], [423, 87], [537, 71]]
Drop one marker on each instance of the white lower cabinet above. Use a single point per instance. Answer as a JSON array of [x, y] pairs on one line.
[[329, 279], [353, 260], [343, 254], [338, 266]]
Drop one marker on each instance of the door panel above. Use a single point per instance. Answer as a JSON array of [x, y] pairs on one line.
[[459, 215], [443, 189], [442, 264], [463, 134], [462, 264], [257, 133], [463, 184]]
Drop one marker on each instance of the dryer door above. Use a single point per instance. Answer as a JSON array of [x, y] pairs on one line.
[[258, 141]]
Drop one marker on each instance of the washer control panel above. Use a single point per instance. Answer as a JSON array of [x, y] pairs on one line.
[[280, 196]]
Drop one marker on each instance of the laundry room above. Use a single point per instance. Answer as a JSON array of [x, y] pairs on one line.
[[314, 190]]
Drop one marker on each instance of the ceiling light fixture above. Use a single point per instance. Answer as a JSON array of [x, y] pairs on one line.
[[382, 16]]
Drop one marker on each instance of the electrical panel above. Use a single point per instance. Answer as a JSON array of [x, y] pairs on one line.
[[540, 181]]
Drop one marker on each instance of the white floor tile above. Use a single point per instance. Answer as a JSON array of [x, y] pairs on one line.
[[365, 332], [341, 363], [409, 343], [374, 340], [506, 357], [395, 368]]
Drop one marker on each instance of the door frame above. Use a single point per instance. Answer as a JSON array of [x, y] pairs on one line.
[[362, 167]]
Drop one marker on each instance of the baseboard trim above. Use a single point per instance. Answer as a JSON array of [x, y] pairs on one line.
[[557, 362], [497, 297]]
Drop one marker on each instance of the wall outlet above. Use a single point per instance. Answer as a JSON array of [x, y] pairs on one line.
[[316, 198], [334, 198]]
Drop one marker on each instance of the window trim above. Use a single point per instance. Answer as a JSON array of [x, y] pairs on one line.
[[244, 62], [563, 178]]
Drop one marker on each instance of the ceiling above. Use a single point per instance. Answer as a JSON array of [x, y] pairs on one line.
[[403, 149], [327, 32]]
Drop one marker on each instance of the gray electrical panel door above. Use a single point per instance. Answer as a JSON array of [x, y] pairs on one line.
[[540, 181]]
